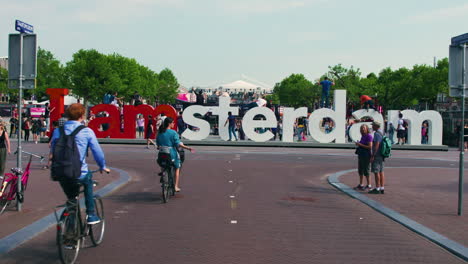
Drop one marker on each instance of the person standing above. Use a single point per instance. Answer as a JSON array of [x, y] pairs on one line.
[[377, 160], [424, 133], [401, 130], [4, 147], [140, 125], [391, 131], [366, 102], [13, 125], [48, 110], [181, 126], [300, 129], [363, 151], [325, 99], [26, 128], [63, 118], [232, 125]]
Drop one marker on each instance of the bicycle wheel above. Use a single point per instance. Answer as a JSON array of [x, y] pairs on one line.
[[68, 238], [172, 182], [96, 231], [165, 186], [4, 201]]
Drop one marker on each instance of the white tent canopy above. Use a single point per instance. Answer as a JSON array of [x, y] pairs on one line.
[[243, 86]]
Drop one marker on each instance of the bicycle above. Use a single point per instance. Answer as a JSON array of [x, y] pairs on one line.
[[167, 175], [9, 190], [72, 228]]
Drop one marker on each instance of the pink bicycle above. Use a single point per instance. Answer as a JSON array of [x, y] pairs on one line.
[[9, 189]]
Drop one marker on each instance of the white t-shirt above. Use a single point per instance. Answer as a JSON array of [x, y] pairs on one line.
[[261, 102], [400, 124]]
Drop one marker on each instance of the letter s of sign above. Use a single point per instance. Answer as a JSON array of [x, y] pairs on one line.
[[191, 120]]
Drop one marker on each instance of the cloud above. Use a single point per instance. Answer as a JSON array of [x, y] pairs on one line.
[[438, 15]]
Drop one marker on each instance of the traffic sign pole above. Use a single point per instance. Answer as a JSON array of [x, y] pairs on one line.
[[462, 147], [20, 120]]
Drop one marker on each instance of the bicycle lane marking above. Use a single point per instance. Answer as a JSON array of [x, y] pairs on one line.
[[26, 233], [453, 247]]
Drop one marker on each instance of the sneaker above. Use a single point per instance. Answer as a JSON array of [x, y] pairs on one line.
[[374, 191], [382, 191], [93, 219], [359, 188], [368, 187]]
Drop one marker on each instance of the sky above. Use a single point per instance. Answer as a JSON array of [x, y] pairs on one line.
[[211, 42]]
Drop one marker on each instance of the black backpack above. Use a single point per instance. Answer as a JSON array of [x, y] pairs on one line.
[[66, 162]]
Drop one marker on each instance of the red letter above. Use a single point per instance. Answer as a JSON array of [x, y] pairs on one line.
[[113, 120], [57, 101]]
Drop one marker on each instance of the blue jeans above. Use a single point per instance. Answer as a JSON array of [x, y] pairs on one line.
[[299, 133], [71, 188], [232, 131], [324, 100]]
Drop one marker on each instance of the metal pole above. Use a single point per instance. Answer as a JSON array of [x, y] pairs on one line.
[[462, 149], [20, 118]]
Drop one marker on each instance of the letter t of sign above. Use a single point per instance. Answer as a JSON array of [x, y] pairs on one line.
[[222, 112]]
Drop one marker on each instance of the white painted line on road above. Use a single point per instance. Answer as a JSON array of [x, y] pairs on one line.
[[229, 170], [230, 181], [233, 221], [232, 197]]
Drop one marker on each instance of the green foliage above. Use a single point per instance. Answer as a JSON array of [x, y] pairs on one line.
[[3, 81], [273, 98], [50, 74], [90, 75], [393, 89], [296, 91], [168, 86]]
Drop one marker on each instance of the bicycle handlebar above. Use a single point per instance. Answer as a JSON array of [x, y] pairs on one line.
[[31, 154]]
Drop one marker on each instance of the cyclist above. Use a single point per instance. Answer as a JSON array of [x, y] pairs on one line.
[[84, 139], [168, 139]]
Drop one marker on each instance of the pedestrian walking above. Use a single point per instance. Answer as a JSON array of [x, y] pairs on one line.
[[149, 132], [232, 126], [26, 128], [4, 147], [377, 160], [181, 126], [325, 98], [363, 151], [48, 110]]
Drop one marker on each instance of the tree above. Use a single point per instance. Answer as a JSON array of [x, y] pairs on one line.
[[296, 91], [90, 75], [50, 74], [128, 72], [3, 81], [168, 86]]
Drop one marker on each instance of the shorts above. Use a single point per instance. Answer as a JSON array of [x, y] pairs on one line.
[[363, 165], [377, 164], [141, 129], [400, 133]]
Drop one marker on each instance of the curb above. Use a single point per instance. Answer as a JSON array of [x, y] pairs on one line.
[[446, 243], [26, 233]]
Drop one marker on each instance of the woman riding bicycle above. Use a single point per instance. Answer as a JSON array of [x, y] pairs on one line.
[[169, 139]]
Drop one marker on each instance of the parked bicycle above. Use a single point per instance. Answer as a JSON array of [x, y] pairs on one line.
[[9, 194], [72, 228]]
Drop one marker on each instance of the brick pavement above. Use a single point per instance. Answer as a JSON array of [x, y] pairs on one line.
[[426, 195], [285, 210], [41, 195]]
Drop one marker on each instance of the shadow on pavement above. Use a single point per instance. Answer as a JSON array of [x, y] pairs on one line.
[[138, 197]]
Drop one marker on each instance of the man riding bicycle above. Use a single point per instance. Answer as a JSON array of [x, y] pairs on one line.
[[84, 139]]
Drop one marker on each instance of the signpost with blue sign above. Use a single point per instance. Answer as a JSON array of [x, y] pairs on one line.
[[23, 27], [22, 59], [458, 76]]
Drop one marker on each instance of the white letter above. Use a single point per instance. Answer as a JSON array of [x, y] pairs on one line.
[[222, 112], [338, 116], [415, 121], [249, 125], [289, 117], [191, 120], [355, 130]]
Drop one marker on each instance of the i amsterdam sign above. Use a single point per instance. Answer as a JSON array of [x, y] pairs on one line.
[[249, 125]]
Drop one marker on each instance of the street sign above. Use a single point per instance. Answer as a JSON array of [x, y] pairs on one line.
[[29, 60], [459, 40], [23, 27]]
